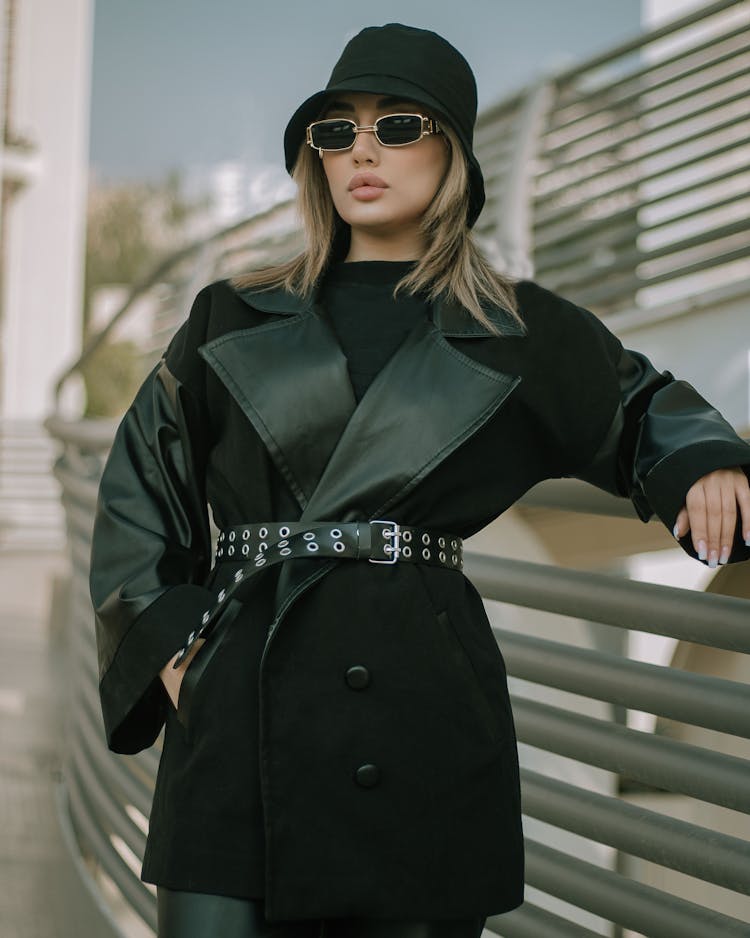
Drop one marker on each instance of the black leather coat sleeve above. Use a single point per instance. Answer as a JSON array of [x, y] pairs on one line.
[[150, 553], [661, 438]]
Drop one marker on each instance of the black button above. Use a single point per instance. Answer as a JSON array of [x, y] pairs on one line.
[[357, 676], [367, 775]]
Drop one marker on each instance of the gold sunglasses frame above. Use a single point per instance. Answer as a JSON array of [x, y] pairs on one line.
[[429, 126]]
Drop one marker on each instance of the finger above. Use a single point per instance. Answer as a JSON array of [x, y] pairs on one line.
[[185, 663], [742, 491], [712, 489], [682, 523], [728, 519], [696, 508]]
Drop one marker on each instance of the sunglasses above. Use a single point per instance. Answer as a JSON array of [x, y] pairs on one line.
[[392, 130]]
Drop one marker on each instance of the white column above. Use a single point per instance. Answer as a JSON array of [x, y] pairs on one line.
[[45, 224]]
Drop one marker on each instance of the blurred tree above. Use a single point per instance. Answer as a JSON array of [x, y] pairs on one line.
[[131, 228], [111, 377]]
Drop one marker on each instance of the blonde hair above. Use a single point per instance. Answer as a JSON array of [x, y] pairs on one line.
[[452, 263]]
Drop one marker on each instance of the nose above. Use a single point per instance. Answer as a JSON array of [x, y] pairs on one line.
[[366, 146]]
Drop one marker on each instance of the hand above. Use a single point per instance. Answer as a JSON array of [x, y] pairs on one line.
[[710, 512], [172, 677]]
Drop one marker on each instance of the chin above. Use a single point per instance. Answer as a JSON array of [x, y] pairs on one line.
[[369, 215]]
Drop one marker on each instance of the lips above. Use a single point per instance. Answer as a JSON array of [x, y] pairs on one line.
[[366, 179]]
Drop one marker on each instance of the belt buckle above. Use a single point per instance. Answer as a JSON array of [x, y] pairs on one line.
[[395, 548]]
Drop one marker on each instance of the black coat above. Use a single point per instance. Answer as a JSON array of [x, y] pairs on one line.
[[334, 664]]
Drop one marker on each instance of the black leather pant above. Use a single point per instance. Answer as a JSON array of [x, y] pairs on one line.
[[200, 915]]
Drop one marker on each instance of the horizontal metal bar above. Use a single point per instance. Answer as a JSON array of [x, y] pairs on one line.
[[697, 699], [77, 489], [108, 810], [643, 40], [132, 888], [571, 207], [644, 80], [692, 616], [571, 256], [570, 188], [634, 905], [116, 772], [90, 433], [663, 763], [583, 234], [579, 496], [693, 850], [590, 286], [555, 152], [530, 921], [130, 789], [107, 924]]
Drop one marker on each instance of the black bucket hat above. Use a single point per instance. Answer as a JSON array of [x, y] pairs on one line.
[[412, 63]]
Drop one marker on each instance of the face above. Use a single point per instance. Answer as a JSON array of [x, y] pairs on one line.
[[409, 176]]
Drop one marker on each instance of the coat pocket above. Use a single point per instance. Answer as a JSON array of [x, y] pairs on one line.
[[462, 659], [198, 664]]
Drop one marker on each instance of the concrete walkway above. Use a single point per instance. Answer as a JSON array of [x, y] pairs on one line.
[[42, 894]]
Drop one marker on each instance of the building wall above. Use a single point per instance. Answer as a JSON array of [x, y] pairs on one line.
[[45, 222]]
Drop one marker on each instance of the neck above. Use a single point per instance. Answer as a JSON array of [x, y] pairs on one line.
[[406, 245]]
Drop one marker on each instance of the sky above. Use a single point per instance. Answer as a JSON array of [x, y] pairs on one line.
[[184, 84]]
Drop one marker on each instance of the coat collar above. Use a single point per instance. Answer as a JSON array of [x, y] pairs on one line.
[[290, 377], [449, 316]]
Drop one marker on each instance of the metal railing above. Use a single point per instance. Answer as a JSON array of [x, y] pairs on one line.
[[606, 171], [30, 512], [577, 174]]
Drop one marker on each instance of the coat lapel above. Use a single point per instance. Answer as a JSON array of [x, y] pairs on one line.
[[342, 460], [291, 380], [425, 401]]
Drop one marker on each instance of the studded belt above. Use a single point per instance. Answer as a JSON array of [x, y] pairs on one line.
[[264, 543]]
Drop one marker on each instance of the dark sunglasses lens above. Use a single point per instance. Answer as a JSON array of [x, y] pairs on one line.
[[333, 134], [399, 128]]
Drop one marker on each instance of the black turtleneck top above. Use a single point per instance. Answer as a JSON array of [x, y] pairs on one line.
[[368, 322]]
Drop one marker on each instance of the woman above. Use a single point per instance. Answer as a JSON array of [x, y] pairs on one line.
[[339, 744]]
